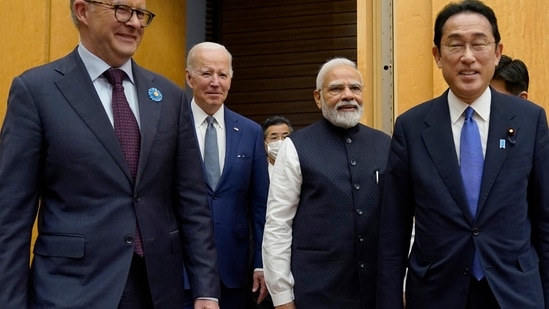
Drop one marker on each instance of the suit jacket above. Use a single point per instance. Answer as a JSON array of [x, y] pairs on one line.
[[58, 147], [511, 229], [239, 202]]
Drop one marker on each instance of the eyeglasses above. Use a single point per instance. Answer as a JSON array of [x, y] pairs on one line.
[[339, 89], [476, 46], [123, 13]]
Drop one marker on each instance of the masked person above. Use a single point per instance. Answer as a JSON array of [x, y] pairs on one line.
[[275, 130]]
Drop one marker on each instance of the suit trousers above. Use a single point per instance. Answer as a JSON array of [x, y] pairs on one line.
[[137, 293], [481, 296]]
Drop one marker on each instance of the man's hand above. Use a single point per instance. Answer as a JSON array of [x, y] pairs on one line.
[[205, 304], [259, 284], [286, 306]]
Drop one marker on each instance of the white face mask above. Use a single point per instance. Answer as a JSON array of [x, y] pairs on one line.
[[273, 148]]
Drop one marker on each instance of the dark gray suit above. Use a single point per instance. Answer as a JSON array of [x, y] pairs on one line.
[[511, 229], [58, 147]]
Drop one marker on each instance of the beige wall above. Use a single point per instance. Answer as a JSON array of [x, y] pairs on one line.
[[42, 31], [524, 34]]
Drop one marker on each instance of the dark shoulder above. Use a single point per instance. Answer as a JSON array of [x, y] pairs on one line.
[[241, 120]]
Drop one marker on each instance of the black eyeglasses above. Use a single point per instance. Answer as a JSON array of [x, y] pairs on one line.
[[123, 13]]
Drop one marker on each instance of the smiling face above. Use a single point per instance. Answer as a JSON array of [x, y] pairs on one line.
[[210, 78], [104, 36], [468, 71], [340, 98]]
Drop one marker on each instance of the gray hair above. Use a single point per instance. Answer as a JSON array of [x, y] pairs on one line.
[[191, 57], [331, 64]]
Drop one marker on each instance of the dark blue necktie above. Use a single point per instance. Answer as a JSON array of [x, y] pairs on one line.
[[127, 132], [211, 154], [471, 165]]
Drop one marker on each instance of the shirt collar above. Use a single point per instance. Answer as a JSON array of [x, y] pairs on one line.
[[480, 105], [96, 66], [199, 116]]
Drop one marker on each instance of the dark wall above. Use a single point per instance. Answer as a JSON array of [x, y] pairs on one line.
[[277, 48]]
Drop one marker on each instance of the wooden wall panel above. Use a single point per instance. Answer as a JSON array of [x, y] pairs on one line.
[[24, 41], [278, 48], [163, 47]]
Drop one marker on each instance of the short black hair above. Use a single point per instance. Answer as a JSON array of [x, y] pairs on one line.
[[514, 73], [454, 8], [273, 121]]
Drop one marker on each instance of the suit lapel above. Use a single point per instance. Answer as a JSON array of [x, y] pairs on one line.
[[233, 134], [439, 142], [80, 93], [501, 120], [149, 111]]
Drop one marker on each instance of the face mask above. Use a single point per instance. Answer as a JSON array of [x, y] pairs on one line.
[[273, 148]]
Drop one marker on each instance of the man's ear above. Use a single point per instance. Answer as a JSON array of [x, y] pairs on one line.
[[188, 79], [436, 56], [80, 9], [316, 95], [524, 95]]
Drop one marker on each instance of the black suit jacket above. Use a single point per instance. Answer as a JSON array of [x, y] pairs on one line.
[[510, 232], [58, 147]]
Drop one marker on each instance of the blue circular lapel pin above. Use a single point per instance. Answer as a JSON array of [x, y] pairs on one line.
[[155, 94]]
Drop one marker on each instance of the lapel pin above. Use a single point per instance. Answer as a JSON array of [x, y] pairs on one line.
[[502, 143], [511, 135], [155, 94], [236, 129]]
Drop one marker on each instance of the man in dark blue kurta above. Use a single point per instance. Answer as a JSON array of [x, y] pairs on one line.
[[320, 240]]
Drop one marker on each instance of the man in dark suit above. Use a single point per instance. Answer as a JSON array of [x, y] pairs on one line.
[[238, 190], [116, 216], [321, 235], [481, 224]]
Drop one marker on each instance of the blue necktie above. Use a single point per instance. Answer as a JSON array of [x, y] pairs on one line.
[[471, 165], [211, 154]]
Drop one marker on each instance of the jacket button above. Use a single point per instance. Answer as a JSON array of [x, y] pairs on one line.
[[466, 271], [476, 232], [137, 198], [129, 239]]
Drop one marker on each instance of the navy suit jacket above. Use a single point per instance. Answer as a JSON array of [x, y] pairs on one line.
[[58, 147], [240, 200], [511, 229]]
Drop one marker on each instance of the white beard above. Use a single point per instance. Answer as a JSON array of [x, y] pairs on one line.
[[342, 119]]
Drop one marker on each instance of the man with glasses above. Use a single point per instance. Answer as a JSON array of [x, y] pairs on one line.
[[321, 234], [102, 152], [472, 168]]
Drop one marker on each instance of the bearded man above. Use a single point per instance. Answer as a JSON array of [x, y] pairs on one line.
[[320, 243]]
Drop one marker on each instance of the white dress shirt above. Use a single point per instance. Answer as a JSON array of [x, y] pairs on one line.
[[481, 116], [96, 67], [284, 192], [200, 126]]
